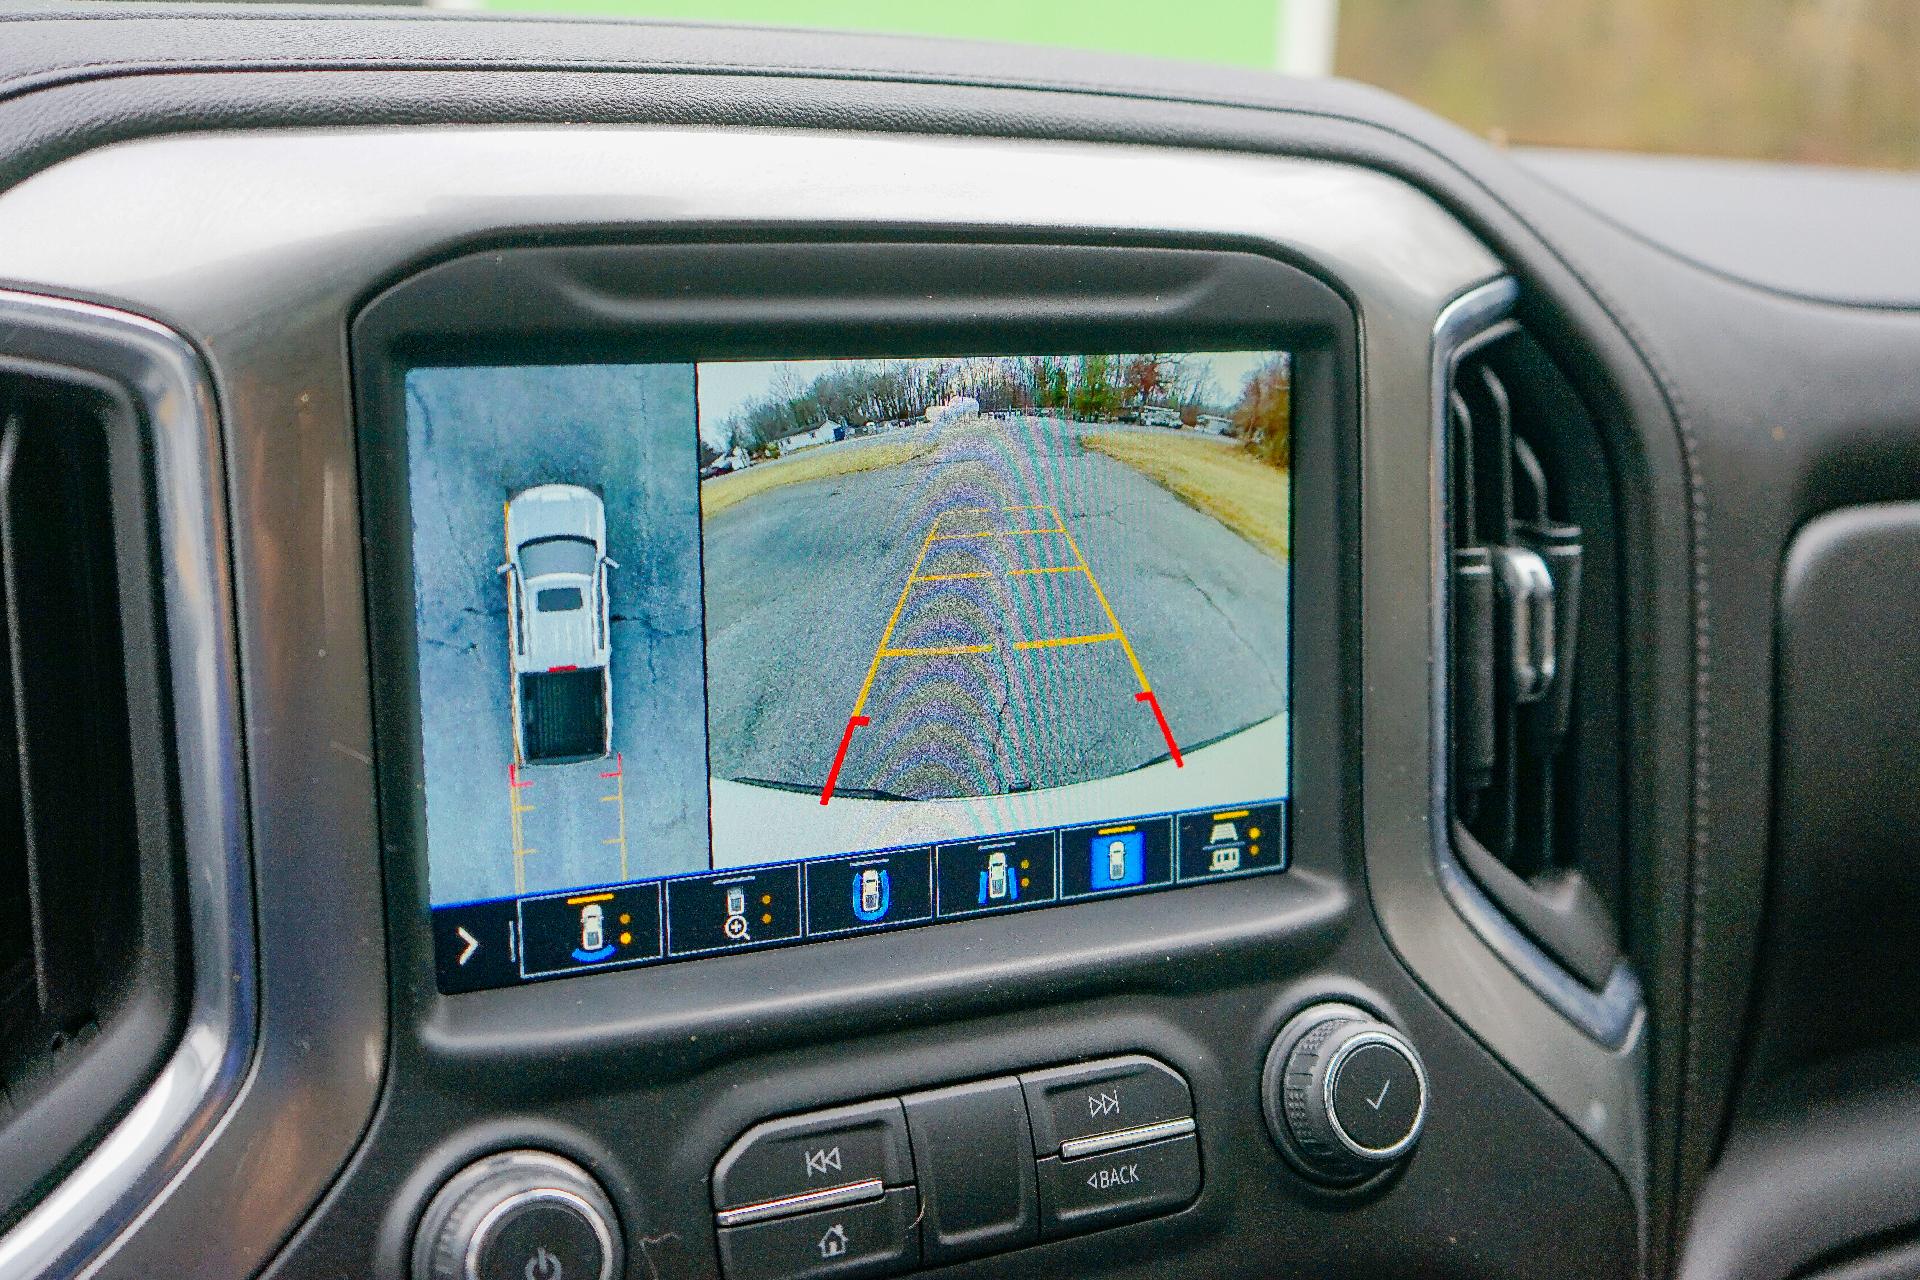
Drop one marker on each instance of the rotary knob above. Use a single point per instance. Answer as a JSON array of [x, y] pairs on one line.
[[518, 1215], [1345, 1094]]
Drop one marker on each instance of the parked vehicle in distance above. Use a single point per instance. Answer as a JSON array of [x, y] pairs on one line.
[[558, 625]]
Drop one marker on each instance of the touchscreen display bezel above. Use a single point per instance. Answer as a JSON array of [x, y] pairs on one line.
[[577, 305]]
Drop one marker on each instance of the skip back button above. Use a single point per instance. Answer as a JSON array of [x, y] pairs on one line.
[[818, 1151]]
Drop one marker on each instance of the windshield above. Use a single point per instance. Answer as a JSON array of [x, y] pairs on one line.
[[543, 556], [1821, 81]]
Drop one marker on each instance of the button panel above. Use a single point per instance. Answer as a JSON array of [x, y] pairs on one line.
[[881, 1187]]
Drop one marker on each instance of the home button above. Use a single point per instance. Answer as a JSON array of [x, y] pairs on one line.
[[878, 1237]]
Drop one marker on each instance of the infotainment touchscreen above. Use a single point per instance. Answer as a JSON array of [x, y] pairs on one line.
[[731, 655]]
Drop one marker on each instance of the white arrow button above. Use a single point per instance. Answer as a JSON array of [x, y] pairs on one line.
[[473, 945]]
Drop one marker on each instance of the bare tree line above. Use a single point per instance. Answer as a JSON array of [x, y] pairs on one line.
[[866, 392]]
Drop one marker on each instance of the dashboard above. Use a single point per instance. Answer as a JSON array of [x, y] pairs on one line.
[[755, 655]]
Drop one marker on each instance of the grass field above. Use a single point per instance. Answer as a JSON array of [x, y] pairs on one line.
[[821, 463], [1219, 477]]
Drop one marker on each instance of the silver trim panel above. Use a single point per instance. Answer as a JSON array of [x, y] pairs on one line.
[[155, 1142], [1075, 1148], [826, 1198]]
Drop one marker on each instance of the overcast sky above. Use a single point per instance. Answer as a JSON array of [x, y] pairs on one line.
[[727, 386]]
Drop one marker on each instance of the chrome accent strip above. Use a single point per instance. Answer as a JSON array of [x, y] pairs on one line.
[[156, 1140], [1105, 1142], [786, 1206]]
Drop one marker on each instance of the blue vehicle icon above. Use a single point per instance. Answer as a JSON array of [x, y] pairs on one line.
[[1117, 858], [872, 893], [997, 883]]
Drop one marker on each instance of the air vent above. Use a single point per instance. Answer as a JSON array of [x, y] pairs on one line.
[[1532, 712], [86, 930]]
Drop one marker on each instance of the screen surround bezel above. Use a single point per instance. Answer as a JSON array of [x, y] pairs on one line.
[[737, 296]]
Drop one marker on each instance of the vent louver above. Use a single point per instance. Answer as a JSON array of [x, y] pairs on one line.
[[86, 930], [1527, 499]]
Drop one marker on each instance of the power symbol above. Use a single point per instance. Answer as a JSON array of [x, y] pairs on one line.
[[544, 1266]]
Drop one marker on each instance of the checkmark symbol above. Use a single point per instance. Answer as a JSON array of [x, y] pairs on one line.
[[1375, 1102]]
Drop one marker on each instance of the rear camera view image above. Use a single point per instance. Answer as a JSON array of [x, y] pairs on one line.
[[934, 637]]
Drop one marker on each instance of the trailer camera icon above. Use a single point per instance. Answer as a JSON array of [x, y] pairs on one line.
[[1224, 847]]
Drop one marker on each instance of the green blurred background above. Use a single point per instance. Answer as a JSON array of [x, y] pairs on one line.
[[1823, 81], [1221, 31]]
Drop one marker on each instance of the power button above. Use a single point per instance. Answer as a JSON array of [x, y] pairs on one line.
[[539, 1235], [518, 1215]]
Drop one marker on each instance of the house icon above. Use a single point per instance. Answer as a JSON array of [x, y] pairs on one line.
[[834, 1243]]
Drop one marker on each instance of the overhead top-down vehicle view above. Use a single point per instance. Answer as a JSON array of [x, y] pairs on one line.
[[557, 624], [804, 639]]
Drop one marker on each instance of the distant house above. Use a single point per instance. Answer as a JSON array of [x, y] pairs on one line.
[[825, 433]]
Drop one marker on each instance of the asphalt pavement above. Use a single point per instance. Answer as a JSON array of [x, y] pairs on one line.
[[802, 581], [476, 437]]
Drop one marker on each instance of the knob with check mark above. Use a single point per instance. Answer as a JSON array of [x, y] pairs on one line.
[[1345, 1094]]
